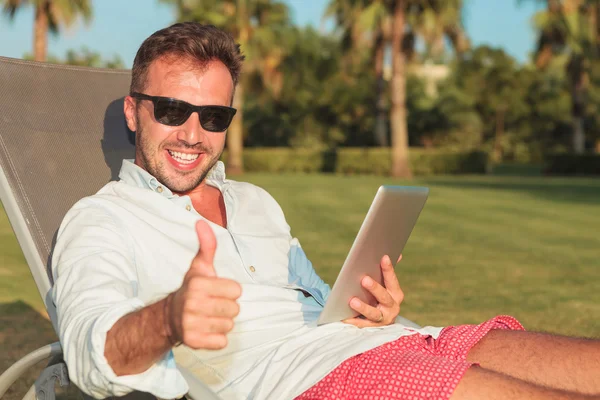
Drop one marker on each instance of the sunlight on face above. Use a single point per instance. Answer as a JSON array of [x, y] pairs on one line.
[[180, 157]]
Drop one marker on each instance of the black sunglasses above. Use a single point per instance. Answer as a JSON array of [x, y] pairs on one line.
[[173, 112]]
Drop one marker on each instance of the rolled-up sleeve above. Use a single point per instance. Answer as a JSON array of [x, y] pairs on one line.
[[95, 284]]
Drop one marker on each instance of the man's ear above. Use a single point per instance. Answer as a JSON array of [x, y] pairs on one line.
[[129, 106]]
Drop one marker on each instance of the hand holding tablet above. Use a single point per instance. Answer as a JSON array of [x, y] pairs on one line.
[[389, 297], [385, 230]]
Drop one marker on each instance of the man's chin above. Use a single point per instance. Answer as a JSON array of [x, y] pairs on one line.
[[184, 185], [182, 182]]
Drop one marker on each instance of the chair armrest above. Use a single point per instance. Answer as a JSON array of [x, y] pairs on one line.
[[45, 384], [16, 370], [57, 370]]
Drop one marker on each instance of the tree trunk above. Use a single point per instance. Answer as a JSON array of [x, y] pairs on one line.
[[498, 153], [381, 137], [40, 34], [235, 135], [594, 16], [400, 162], [578, 79], [578, 135]]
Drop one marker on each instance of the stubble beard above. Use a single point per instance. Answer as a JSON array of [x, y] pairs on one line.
[[158, 166]]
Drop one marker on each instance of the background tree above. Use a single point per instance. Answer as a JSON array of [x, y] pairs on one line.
[[592, 107], [84, 58], [50, 15], [448, 120], [318, 107], [361, 27], [570, 28], [550, 117], [397, 23], [499, 89]]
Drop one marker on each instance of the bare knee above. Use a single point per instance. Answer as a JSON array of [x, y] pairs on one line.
[[495, 340]]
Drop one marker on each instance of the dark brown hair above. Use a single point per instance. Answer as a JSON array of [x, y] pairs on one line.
[[191, 41]]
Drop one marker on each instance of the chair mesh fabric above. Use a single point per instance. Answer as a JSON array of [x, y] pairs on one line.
[[62, 137]]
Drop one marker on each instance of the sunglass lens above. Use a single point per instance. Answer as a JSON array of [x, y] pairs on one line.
[[171, 113], [215, 119]]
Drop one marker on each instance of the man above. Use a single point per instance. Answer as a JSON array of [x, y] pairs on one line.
[[140, 280]]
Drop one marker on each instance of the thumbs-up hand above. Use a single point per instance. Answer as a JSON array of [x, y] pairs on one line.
[[201, 312]]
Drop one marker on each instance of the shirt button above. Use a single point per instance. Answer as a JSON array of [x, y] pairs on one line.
[[252, 269], [159, 189], [188, 207]]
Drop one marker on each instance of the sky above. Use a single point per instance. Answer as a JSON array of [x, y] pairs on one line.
[[119, 27]]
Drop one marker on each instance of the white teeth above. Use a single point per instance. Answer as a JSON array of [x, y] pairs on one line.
[[184, 158]]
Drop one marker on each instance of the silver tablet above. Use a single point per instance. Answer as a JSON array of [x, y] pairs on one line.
[[385, 230]]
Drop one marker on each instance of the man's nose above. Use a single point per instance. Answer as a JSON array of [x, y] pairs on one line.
[[190, 131]]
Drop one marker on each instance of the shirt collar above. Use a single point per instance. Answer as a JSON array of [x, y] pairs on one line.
[[134, 175]]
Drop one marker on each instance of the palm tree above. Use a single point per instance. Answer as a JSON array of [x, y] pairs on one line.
[[438, 21], [396, 23], [50, 15], [570, 29], [260, 28], [366, 27]]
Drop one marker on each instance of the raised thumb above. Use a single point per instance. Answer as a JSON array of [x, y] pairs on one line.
[[206, 253]]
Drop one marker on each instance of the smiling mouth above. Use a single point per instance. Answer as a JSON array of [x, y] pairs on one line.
[[183, 158]]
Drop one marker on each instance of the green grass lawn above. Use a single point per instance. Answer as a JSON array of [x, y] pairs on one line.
[[483, 246]]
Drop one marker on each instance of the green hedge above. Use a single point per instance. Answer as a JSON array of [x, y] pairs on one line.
[[282, 160], [516, 169], [423, 162], [375, 161], [572, 164]]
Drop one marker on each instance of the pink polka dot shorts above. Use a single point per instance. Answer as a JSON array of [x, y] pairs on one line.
[[414, 367]]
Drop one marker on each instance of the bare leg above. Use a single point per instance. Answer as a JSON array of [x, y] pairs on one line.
[[558, 362], [479, 383]]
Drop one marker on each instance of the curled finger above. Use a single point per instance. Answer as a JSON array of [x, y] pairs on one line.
[[206, 341], [371, 313], [381, 294], [210, 307]]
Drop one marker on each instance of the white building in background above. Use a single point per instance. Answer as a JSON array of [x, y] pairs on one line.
[[432, 74]]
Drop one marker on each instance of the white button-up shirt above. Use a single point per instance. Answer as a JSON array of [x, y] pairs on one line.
[[131, 244]]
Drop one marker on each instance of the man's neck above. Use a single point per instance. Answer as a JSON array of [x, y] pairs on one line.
[[207, 200], [209, 203], [200, 192]]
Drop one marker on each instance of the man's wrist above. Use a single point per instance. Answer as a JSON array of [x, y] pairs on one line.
[[168, 326]]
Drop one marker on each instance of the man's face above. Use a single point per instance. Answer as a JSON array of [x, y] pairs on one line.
[[179, 156]]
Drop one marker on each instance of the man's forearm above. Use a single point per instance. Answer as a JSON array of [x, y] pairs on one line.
[[138, 340]]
